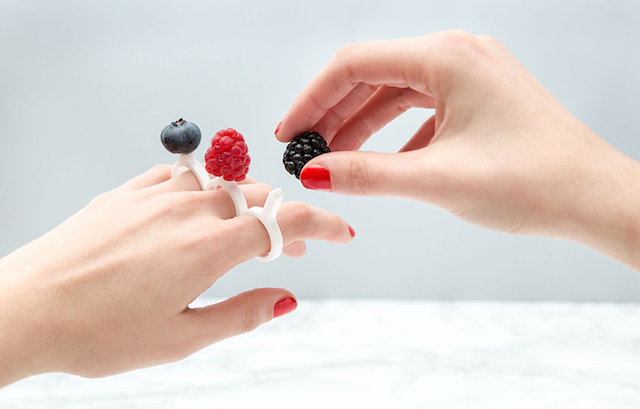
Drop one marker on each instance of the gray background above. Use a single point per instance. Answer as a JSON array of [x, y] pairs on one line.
[[86, 87]]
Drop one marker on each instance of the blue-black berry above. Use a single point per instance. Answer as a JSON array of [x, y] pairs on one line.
[[301, 150], [181, 136]]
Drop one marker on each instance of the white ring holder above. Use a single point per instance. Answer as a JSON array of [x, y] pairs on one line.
[[189, 161], [266, 214]]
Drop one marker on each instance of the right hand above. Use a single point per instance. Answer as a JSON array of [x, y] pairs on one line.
[[500, 151]]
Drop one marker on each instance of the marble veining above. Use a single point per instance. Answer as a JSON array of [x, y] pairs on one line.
[[386, 354]]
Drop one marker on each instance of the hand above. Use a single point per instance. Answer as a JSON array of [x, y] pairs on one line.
[[108, 290], [500, 151]]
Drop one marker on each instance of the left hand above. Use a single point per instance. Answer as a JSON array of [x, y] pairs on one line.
[[109, 289]]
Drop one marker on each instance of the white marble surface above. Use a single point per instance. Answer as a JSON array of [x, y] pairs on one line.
[[387, 354]]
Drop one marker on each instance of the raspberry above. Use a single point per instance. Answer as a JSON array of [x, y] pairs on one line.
[[227, 156], [301, 150]]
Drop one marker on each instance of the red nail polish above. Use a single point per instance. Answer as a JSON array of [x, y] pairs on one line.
[[353, 232], [278, 128], [316, 178], [284, 306]]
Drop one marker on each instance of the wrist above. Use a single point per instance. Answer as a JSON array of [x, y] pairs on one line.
[[20, 354], [607, 215]]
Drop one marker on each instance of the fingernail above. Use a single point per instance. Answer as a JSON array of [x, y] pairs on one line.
[[278, 128], [316, 178], [353, 232], [284, 306]]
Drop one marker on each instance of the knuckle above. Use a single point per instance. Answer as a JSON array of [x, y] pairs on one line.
[[202, 237], [488, 39], [458, 50], [263, 189], [206, 240], [105, 198], [364, 130], [359, 179], [462, 43], [175, 205], [300, 213], [401, 101], [346, 51], [251, 320], [100, 199], [159, 168], [343, 59], [458, 36]]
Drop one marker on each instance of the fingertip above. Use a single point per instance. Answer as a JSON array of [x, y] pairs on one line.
[[277, 130], [284, 306], [316, 177], [342, 232], [237, 315], [346, 234], [281, 133]]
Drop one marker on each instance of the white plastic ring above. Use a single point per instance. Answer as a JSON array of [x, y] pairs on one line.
[[267, 216], [239, 201], [189, 161]]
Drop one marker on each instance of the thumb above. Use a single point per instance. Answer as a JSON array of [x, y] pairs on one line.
[[361, 173], [237, 315]]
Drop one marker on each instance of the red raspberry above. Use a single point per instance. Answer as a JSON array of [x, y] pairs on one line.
[[227, 156]]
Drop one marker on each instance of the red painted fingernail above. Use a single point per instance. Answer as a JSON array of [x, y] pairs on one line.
[[284, 306], [278, 128], [353, 232], [316, 178]]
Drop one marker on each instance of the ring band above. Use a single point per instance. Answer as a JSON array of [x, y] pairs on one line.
[[267, 216]]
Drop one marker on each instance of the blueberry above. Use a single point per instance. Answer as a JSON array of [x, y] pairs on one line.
[[181, 136]]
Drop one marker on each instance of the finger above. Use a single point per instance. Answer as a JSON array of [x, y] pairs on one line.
[[422, 137], [185, 180], [362, 173], [237, 315], [153, 176], [219, 203], [335, 116], [298, 221], [295, 249], [398, 63], [386, 104], [247, 180], [255, 194]]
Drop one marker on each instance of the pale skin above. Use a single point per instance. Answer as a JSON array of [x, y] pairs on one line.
[[109, 289], [500, 151]]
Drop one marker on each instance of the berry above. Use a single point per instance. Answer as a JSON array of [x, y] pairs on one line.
[[227, 156], [301, 150], [181, 136]]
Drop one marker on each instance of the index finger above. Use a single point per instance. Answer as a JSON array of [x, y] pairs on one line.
[[396, 63]]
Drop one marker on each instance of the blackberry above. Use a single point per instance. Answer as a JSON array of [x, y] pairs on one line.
[[301, 150], [181, 136]]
